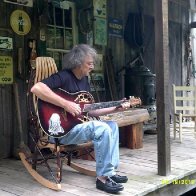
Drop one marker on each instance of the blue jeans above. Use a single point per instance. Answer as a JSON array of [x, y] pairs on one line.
[[105, 137]]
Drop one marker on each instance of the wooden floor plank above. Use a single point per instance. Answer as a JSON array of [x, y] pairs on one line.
[[140, 165]]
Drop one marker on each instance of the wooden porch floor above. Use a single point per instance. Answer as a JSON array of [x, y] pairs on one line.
[[140, 165]]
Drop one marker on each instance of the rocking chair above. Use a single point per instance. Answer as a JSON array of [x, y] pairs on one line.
[[40, 151]]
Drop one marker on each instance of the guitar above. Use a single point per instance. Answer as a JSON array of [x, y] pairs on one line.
[[47, 111]]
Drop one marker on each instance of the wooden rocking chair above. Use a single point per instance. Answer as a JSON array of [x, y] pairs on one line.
[[40, 151]]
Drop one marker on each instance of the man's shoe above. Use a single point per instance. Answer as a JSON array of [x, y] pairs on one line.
[[119, 179], [109, 186]]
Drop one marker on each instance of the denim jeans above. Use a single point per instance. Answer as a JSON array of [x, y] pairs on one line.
[[105, 137]]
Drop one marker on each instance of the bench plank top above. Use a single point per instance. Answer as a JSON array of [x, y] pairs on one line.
[[128, 117]]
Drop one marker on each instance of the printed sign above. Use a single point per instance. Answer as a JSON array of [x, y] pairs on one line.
[[99, 8], [28, 3], [20, 22], [100, 31], [115, 27], [6, 43], [6, 70]]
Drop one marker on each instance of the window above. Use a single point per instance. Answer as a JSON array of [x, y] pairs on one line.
[[61, 30]]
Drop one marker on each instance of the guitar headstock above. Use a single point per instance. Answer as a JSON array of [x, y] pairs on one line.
[[134, 101]]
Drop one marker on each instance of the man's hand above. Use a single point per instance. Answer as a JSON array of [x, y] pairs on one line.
[[73, 108], [125, 105]]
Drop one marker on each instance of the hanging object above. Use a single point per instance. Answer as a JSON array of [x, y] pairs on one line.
[[133, 31], [20, 22], [28, 3], [85, 19]]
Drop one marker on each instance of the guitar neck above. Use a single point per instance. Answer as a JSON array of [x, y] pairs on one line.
[[100, 105]]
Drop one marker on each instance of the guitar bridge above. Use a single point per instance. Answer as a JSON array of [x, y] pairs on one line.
[[84, 119]]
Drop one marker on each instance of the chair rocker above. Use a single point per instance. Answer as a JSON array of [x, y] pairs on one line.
[[40, 152]]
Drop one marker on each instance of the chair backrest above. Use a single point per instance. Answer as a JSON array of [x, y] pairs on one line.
[[184, 99], [44, 67]]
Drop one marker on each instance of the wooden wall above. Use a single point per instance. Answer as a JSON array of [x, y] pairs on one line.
[[9, 129], [178, 20], [6, 96], [121, 52]]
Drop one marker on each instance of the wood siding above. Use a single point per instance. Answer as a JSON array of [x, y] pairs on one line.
[[9, 129], [6, 120], [178, 19], [121, 52]]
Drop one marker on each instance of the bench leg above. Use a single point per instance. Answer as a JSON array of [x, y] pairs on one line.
[[133, 136]]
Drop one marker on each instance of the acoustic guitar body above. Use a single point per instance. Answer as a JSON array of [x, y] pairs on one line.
[[68, 121]]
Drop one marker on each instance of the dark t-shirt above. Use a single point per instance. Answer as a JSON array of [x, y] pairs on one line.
[[67, 81]]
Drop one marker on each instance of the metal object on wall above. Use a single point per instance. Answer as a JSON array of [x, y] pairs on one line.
[[140, 82]]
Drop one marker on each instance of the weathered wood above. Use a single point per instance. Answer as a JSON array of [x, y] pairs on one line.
[[131, 136], [143, 178], [130, 121], [162, 83], [37, 176], [6, 120], [128, 117], [134, 136]]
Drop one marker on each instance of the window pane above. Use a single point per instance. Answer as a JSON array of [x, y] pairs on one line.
[[59, 16], [68, 18], [59, 38], [50, 41], [57, 58], [68, 39], [49, 54], [50, 14]]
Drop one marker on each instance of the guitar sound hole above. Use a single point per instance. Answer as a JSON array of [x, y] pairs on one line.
[[85, 98]]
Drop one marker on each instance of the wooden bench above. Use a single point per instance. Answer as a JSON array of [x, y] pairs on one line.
[[130, 123]]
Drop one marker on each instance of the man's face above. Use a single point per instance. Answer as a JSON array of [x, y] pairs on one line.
[[87, 66]]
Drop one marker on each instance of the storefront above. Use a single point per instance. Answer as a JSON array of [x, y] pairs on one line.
[[31, 28]]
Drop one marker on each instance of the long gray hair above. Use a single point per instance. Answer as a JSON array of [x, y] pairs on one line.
[[77, 55]]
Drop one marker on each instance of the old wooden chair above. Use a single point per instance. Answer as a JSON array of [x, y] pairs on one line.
[[40, 151], [184, 106]]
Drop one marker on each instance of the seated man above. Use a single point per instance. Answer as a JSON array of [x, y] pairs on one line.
[[78, 63]]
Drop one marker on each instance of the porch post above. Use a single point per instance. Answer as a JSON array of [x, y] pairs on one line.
[[162, 82]]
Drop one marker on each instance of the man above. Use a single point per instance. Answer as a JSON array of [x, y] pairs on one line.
[[78, 63]]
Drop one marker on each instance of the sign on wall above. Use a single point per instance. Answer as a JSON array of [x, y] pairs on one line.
[[100, 31], [20, 22], [99, 7], [6, 70], [28, 3], [6, 43], [115, 27], [100, 23]]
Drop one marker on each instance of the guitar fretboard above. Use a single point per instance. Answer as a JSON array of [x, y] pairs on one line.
[[95, 106]]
